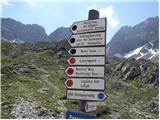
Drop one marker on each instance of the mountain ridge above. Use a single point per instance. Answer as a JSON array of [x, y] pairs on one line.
[[128, 38]]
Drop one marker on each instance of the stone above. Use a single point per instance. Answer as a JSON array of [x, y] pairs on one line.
[[132, 73], [33, 110], [43, 90], [119, 66], [152, 80], [153, 106], [117, 85], [125, 69]]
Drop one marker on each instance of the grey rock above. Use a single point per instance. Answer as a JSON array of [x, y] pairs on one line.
[[152, 80], [125, 69], [119, 66], [33, 110], [43, 90], [143, 68], [132, 73], [117, 85], [153, 106]]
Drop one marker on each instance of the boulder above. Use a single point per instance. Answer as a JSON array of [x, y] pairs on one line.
[[132, 73], [119, 66], [117, 85], [153, 106], [152, 80], [125, 69]]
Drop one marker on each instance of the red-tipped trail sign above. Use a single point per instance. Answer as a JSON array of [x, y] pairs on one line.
[[85, 71], [86, 60], [85, 83]]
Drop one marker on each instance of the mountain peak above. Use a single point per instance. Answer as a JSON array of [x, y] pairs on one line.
[[60, 33], [130, 39]]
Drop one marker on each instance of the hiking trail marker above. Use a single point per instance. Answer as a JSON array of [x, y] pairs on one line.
[[84, 83], [86, 68]]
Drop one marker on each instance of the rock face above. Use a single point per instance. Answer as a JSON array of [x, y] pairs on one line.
[[32, 110], [139, 69], [60, 34], [18, 32], [128, 39], [153, 105]]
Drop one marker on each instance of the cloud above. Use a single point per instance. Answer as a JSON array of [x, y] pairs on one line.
[[4, 2], [110, 14], [33, 3]]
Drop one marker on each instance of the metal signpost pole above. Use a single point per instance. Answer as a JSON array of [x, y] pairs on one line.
[[93, 14]]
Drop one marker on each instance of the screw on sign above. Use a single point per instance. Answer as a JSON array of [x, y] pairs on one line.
[[73, 51], [72, 40], [70, 71], [69, 83], [72, 60]]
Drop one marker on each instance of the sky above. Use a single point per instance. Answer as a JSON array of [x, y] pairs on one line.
[[52, 14]]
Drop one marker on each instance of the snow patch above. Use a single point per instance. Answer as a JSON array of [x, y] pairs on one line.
[[131, 53]]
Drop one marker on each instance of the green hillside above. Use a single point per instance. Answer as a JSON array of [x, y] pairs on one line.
[[32, 85]]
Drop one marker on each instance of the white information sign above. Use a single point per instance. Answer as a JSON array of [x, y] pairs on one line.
[[85, 71], [87, 60], [89, 39], [86, 95], [84, 83], [88, 26], [87, 51], [91, 106]]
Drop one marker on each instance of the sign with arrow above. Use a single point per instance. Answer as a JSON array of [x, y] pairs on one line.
[[89, 26], [89, 39], [86, 60], [86, 95], [85, 71], [87, 51], [84, 83]]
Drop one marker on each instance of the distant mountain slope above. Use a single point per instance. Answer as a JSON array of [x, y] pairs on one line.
[[16, 31], [140, 41], [60, 34]]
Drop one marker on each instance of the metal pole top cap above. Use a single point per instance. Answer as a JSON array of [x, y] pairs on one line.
[[93, 14]]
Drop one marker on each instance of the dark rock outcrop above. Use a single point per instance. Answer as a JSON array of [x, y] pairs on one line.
[[18, 32], [129, 38], [61, 33]]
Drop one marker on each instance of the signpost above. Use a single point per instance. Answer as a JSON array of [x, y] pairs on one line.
[[87, 64], [86, 60], [89, 26], [85, 71], [86, 95], [84, 83], [89, 39], [87, 51]]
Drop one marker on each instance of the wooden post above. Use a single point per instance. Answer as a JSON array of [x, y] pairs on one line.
[[93, 14]]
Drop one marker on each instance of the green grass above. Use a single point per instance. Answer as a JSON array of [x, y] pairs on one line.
[[39, 64]]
